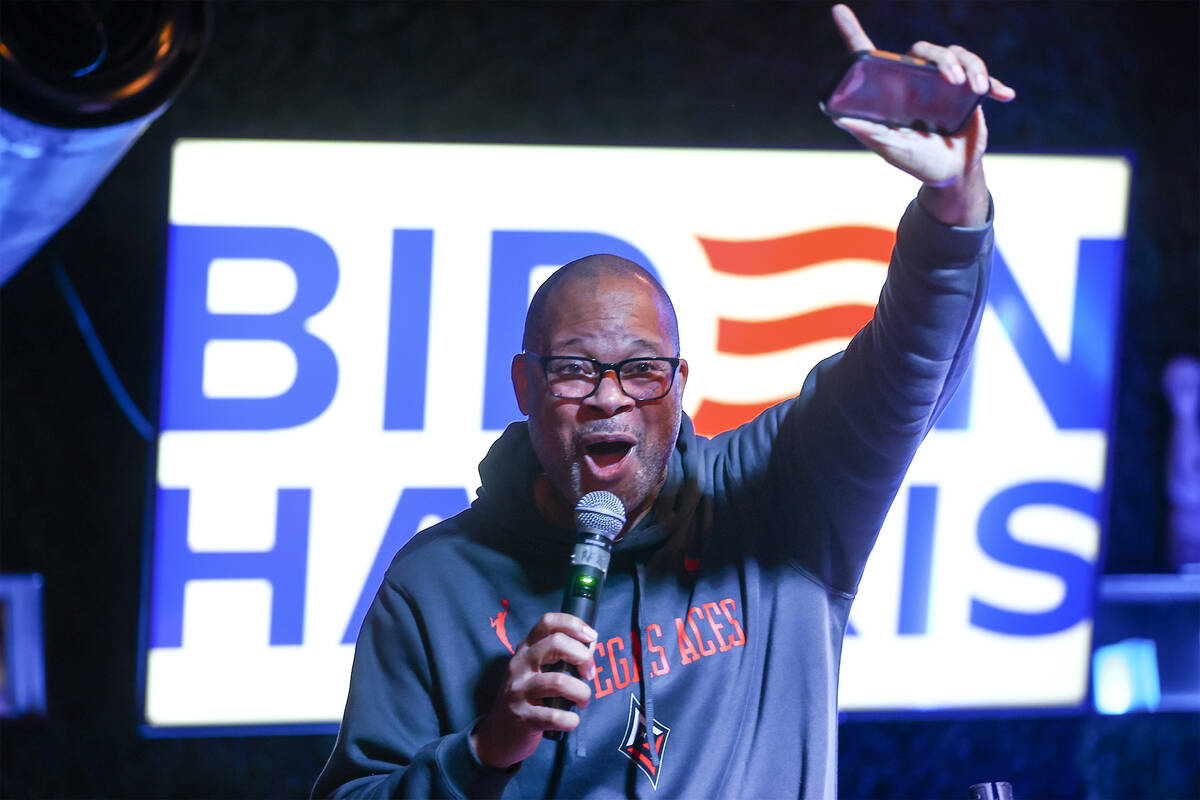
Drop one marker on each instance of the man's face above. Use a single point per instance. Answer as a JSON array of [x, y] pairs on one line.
[[609, 440]]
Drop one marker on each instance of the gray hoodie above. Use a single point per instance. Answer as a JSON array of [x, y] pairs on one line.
[[722, 618]]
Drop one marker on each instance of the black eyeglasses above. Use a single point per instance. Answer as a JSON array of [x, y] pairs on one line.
[[577, 377]]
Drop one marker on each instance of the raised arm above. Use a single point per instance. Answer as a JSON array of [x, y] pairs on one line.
[[829, 462]]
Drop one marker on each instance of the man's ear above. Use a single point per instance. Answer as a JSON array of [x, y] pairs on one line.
[[681, 378], [520, 381]]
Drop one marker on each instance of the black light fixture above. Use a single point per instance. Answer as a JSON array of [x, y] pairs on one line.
[[79, 83]]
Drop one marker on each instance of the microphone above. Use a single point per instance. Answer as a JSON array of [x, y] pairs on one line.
[[599, 518]]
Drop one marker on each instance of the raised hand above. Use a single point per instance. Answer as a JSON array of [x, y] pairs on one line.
[[949, 166], [512, 730]]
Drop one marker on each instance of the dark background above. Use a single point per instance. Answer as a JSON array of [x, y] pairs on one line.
[[1091, 77]]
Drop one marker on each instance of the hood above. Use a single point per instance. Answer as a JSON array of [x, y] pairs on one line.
[[681, 512]]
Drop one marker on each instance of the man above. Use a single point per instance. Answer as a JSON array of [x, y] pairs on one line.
[[712, 668]]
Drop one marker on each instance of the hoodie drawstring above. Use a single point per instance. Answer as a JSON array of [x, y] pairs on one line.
[[639, 582], [577, 735]]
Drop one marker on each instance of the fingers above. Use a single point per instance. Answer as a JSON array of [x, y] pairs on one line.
[[520, 708], [946, 62], [559, 684], [958, 65], [557, 622], [512, 730], [558, 637], [878, 138], [851, 30], [976, 70], [532, 678], [1000, 91], [547, 718], [867, 132], [529, 682], [559, 647]]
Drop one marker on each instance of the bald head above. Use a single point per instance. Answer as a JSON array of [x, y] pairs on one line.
[[591, 268]]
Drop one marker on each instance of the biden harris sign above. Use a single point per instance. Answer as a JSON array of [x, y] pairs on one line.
[[339, 321]]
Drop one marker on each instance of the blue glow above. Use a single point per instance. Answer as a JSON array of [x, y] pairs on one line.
[[22, 647], [1125, 677]]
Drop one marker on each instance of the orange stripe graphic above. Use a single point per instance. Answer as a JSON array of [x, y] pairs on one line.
[[771, 256], [754, 337], [713, 416]]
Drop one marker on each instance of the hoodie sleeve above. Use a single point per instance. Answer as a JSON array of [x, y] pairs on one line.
[[390, 743], [821, 470]]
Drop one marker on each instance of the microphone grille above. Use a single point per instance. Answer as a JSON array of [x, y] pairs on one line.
[[600, 512]]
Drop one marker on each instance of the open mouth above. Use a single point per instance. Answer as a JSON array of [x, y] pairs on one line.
[[606, 452]]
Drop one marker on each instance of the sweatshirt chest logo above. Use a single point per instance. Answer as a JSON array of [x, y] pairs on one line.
[[498, 625], [636, 745], [708, 629]]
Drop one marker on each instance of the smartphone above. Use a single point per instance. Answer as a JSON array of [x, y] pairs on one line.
[[900, 91]]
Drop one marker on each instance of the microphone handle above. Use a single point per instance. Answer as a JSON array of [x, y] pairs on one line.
[[589, 566], [583, 593]]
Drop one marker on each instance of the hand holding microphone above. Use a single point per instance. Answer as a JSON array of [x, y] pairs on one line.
[[599, 518], [533, 701]]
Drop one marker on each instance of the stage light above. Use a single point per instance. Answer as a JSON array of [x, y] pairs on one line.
[[1125, 677], [82, 81], [22, 651]]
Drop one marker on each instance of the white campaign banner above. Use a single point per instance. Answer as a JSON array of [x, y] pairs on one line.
[[338, 326]]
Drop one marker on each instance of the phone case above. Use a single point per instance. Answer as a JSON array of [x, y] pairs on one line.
[[901, 91]]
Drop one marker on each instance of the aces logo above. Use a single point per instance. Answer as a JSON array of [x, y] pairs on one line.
[[646, 752]]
